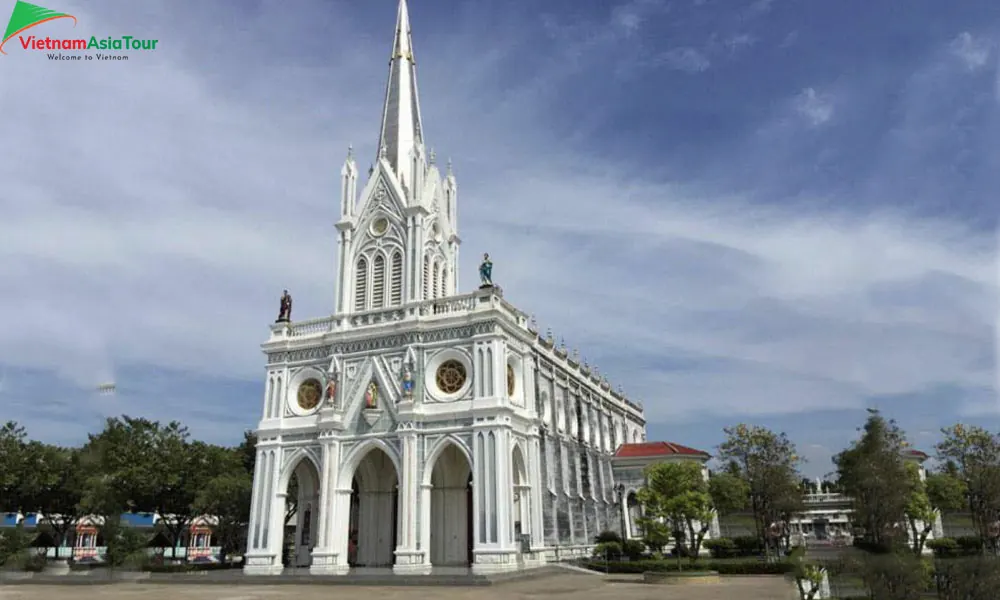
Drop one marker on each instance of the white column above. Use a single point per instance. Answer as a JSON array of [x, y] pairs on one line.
[[537, 494], [324, 556], [409, 558], [264, 557], [253, 529], [341, 515], [497, 554], [505, 488], [425, 521]]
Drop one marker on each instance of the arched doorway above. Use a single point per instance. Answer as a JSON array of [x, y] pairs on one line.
[[520, 513], [373, 525], [301, 514], [634, 514], [451, 509]]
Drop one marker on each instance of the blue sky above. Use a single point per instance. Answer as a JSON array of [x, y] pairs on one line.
[[778, 212]]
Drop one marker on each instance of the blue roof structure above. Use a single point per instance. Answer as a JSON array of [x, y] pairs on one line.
[[8, 520], [139, 519], [30, 520]]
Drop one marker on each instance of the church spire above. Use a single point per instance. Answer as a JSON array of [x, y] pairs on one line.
[[401, 133]]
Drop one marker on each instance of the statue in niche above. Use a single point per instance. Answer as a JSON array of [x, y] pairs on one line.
[[331, 388], [371, 396], [285, 312], [407, 382], [486, 271]]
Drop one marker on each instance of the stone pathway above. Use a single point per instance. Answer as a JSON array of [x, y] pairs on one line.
[[569, 586]]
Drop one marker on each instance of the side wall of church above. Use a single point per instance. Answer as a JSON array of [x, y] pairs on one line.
[[580, 431]]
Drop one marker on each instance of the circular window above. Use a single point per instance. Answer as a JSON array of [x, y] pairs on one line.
[[510, 381], [450, 376], [310, 393], [380, 226]]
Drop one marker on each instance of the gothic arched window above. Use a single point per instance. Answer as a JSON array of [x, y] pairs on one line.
[[378, 282], [360, 283], [427, 277], [437, 279], [396, 280]]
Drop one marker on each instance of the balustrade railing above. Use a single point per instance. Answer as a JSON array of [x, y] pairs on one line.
[[440, 307]]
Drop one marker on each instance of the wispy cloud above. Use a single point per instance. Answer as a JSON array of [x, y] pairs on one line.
[[972, 51], [815, 107], [690, 60], [160, 256]]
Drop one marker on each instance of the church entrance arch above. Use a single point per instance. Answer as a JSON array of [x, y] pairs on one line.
[[451, 508], [373, 525], [301, 514]]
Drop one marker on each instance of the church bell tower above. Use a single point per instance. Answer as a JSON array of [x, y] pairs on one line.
[[398, 240]]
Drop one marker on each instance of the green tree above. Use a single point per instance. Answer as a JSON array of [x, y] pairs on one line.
[[15, 545], [920, 514], [768, 463], [227, 498], [141, 465], [975, 454], [730, 493], [874, 474], [947, 492], [14, 466], [247, 451], [59, 490], [677, 493], [125, 545]]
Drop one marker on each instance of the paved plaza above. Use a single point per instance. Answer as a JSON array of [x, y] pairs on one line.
[[570, 586]]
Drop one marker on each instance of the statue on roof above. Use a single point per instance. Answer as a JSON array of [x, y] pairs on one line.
[[285, 311], [486, 271]]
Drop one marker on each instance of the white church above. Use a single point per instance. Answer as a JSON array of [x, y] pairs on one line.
[[427, 426]]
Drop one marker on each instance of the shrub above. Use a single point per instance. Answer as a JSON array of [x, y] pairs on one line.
[[967, 578], [895, 576], [944, 547], [633, 549], [721, 548], [748, 545], [608, 551], [970, 545], [735, 567], [608, 536]]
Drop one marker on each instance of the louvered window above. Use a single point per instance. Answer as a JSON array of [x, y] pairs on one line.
[[378, 282], [396, 285], [427, 277], [360, 284], [437, 279]]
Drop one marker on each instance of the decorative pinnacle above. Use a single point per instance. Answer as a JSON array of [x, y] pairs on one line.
[[562, 344], [433, 156], [383, 151], [371, 169], [449, 166], [576, 355], [534, 323], [548, 334], [350, 151]]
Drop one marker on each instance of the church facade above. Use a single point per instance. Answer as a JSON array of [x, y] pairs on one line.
[[425, 425]]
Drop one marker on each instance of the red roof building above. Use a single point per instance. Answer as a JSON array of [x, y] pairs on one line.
[[660, 450]]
